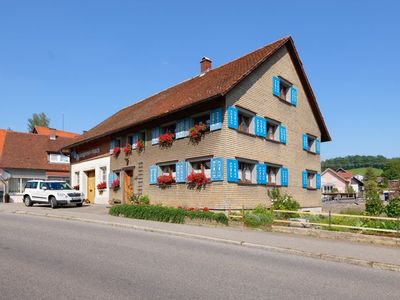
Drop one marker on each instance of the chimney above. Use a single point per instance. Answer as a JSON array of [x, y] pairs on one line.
[[205, 65]]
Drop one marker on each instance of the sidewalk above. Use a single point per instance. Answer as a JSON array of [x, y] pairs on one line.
[[333, 250]]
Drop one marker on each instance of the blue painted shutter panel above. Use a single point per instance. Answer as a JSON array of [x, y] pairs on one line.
[[233, 117], [276, 86], [260, 126], [304, 178], [110, 179], [155, 133], [282, 134], [232, 166], [305, 142], [217, 169], [284, 176], [261, 174], [266, 172], [153, 172], [216, 119], [318, 181], [181, 171], [317, 146], [293, 96], [180, 129]]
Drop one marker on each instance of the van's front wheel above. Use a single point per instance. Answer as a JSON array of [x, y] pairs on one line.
[[53, 202]]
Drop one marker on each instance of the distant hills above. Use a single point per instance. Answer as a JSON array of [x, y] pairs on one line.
[[352, 162]]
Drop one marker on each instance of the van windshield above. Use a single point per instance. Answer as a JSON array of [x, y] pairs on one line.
[[56, 185]]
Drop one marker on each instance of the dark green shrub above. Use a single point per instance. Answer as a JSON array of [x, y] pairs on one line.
[[393, 208], [374, 206], [164, 214], [144, 200], [259, 216]]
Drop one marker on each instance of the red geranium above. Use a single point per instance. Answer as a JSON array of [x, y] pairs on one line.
[[197, 180], [165, 180], [76, 187], [102, 185], [127, 149], [115, 184], [116, 151], [205, 209], [166, 139], [139, 146], [197, 132]]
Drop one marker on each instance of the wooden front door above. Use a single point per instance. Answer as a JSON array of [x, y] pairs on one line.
[[128, 185], [90, 186]]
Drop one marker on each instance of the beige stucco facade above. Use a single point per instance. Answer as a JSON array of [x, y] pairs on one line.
[[254, 93]]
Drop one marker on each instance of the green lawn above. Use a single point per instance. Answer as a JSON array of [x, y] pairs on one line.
[[361, 171]]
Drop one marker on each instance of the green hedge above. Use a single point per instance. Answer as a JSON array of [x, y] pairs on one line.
[[165, 214]]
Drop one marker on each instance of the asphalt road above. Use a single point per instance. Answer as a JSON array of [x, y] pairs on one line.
[[49, 259]]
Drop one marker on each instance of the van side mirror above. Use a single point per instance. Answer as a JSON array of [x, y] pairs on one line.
[[44, 188]]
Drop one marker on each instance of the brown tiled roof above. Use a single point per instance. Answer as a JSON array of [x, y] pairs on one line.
[[30, 151], [51, 131], [214, 83]]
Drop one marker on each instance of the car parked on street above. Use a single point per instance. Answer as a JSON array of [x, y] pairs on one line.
[[55, 193]]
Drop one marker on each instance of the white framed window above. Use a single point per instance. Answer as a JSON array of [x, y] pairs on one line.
[[201, 165], [167, 169], [247, 172], [272, 130], [284, 92], [273, 174], [201, 119], [103, 174], [77, 178], [58, 158], [311, 143], [311, 179], [169, 128]]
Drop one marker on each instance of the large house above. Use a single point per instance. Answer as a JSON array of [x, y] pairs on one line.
[[263, 129], [35, 155]]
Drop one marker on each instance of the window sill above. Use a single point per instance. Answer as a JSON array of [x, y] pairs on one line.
[[273, 185], [285, 101], [273, 141], [311, 189], [246, 183], [312, 152], [246, 133]]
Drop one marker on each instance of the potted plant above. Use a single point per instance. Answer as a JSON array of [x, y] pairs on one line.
[[102, 186], [6, 198], [197, 180], [166, 139], [139, 146], [76, 187], [115, 184], [196, 133], [116, 151], [165, 180]]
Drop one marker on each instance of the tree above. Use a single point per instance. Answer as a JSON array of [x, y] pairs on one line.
[[38, 120], [392, 169], [373, 205], [369, 175]]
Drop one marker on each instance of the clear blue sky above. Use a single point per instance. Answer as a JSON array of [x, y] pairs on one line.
[[88, 59]]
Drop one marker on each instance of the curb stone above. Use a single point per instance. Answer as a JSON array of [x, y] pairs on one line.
[[322, 256]]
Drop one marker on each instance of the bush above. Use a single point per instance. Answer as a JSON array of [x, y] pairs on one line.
[[144, 200], [282, 202], [164, 214], [260, 216], [374, 206], [393, 208]]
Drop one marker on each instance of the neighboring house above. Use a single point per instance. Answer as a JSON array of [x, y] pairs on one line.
[[28, 156], [340, 180], [394, 188], [264, 130]]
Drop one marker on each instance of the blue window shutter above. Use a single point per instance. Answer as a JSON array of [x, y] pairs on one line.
[[260, 126], [181, 171], [217, 169], [304, 178], [180, 129], [110, 179], [232, 166], [155, 133], [233, 118], [293, 96], [318, 181], [153, 173], [284, 176], [317, 146], [261, 174], [216, 119], [305, 142], [266, 172], [276, 86], [282, 134]]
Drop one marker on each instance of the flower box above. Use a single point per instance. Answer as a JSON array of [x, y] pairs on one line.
[[166, 139], [115, 184], [196, 133], [102, 186], [165, 180], [116, 151], [197, 180], [76, 187], [127, 150], [139, 146]]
